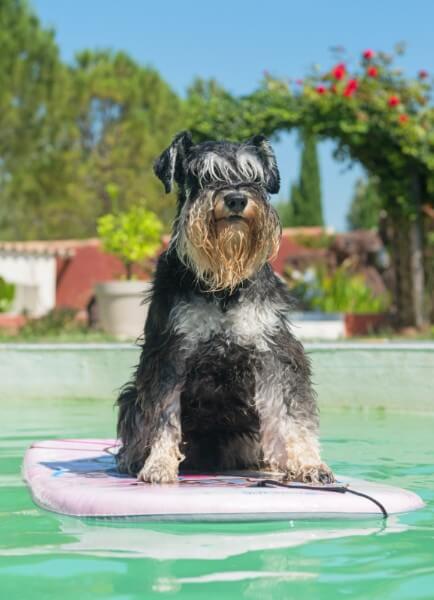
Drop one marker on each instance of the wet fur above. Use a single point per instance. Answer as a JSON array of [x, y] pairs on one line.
[[222, 383]]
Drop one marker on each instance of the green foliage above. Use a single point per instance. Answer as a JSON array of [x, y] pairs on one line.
[[70, 134], [384, 121], [338, 291], [322, 241], [284, 210], [7, 294], [295, 210], [125, 114], [58, 320], [31, 76], [364, 212], [305, 201], [132, 236], [375, 115], [59, 325], [341, 291]]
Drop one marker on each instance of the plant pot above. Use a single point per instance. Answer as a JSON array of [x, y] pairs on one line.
[[121, 311], [11, 323], [317, 325], [363, 324]]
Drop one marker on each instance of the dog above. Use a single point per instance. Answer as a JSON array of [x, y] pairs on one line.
[[222, 383]]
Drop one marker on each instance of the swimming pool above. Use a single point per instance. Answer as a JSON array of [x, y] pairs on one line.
[[43, 555]]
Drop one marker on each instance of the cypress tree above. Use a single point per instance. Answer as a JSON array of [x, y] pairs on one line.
[[305, 201], [284, 210], [296, 205], [364, 212]]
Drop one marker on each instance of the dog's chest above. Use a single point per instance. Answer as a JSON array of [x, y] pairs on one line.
[[245, 323]]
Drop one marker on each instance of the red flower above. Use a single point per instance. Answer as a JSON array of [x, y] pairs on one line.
[[299, 81], [368, 54], [351, 87], [403, 118], [339, 71], [321, 89], [393, 101], [372, 71], [423, 74]]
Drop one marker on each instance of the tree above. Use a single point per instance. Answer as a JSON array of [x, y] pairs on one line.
[[364, 212], [304, 207], [305, 199], [31, 77], [75, 141], [125, 115], [284, 209]]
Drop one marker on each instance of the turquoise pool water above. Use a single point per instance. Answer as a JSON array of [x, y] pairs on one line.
[[46, 556]]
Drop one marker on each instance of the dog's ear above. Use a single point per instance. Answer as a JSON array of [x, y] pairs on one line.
[[268, 159], [168, 167]]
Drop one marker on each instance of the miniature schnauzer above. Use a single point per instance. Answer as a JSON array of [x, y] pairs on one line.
[[222, 383]]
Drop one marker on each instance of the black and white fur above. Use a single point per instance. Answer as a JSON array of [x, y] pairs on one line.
[[222, 383]]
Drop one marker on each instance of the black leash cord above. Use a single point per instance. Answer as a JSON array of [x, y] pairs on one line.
[[377, 502], [339, 489]]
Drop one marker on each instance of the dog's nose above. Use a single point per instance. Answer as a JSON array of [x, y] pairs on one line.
[[235, 201]]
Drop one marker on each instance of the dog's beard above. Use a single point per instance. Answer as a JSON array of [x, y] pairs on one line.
[[224, 255]]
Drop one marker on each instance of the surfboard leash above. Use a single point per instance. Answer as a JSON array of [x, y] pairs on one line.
[[374, 500], [337, 488]]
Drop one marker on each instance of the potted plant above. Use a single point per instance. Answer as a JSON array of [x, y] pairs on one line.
[[367, 316], [308, 320], [342, 291], [133, 236], [9, 322], [7, 293]]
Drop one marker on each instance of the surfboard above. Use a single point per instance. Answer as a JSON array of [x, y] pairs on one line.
[[79, 477]]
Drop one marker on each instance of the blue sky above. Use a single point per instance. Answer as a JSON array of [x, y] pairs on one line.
[[236, 40]]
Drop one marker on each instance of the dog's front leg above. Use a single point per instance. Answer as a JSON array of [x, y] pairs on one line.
[[161, 465], [289, 420]]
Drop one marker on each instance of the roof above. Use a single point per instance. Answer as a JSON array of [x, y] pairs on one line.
[[307, 231], [291, 245], [61, 248]]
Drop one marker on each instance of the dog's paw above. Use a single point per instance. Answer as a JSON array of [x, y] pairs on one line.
[[159, 471], [317, 473]]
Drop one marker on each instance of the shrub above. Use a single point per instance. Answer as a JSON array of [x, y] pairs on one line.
[[342, 291], [338, 291], [132, 236], [7, 294], [57, 321]]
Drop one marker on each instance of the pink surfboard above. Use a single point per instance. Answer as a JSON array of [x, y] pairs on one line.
[[79, 478]]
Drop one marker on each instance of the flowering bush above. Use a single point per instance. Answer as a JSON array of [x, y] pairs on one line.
[[376, 116], [368, 54], [339, 72]]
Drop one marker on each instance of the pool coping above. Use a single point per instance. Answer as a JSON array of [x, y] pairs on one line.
[[357, 375], [369, 345]]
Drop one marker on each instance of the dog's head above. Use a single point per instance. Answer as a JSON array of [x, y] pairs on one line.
[[225, 229]]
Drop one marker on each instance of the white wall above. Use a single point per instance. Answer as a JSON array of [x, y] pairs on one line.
[[35, 278], [317, 326]]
